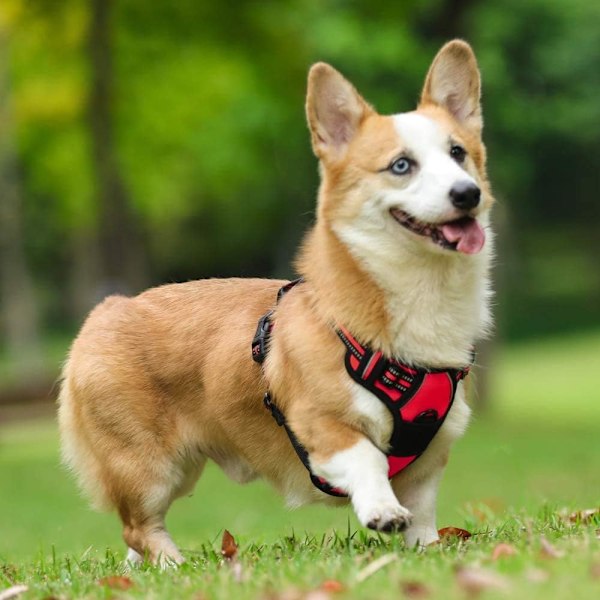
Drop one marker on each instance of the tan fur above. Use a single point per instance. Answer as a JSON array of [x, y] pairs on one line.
[[157, 384]]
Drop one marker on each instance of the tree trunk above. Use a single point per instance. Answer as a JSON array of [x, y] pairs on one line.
[[122, 253], [20, 319]]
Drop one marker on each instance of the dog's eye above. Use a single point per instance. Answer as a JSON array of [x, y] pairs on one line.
[[458, 153], [401, 166]]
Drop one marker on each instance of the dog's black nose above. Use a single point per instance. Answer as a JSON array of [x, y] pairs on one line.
[[465, 195]]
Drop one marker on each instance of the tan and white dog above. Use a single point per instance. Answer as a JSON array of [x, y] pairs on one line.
[[158, 384]]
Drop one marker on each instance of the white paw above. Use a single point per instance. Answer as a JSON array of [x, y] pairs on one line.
[[133, 557], [386, 517], [420, 536], [169, 562]]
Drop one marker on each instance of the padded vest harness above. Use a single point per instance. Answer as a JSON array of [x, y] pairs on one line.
[[418, 399]]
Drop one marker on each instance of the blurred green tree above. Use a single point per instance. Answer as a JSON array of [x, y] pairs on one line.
[[208, 164]]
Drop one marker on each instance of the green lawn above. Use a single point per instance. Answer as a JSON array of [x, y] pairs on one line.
[[536, 453]]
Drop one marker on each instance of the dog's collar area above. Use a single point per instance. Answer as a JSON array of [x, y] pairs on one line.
[[418, 399]]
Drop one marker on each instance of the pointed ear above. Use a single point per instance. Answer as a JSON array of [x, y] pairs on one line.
[[334, 110], [453, 83]]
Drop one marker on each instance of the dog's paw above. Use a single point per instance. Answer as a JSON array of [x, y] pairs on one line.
[[389, 518], [134, 558], [420, 537]]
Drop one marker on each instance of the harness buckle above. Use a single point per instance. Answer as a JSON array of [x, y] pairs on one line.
[[261, 338], [462, 373]]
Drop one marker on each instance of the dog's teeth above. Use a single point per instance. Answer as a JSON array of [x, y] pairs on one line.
[[421, 228]]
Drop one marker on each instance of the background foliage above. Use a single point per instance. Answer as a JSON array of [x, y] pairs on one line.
[[166, 141], [148, 142]]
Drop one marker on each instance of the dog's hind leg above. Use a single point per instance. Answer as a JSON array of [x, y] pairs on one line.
[[147, 536], [143, 508], [133, 557]]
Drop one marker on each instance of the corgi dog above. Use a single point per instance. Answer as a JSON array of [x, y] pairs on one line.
[[395, 276]]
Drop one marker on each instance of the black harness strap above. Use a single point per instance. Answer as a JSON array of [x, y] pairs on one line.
[[280, 419], [260, 347]]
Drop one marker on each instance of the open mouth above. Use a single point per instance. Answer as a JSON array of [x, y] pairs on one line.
[[462, 235]]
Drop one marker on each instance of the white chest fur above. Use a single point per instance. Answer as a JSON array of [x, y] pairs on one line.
[[437, 306], [375, 419], [377, 422]]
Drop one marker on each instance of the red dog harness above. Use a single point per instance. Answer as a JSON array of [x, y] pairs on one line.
[[418, 399]]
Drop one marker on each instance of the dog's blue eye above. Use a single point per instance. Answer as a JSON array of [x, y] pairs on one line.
[[458, 153], [401, 166]]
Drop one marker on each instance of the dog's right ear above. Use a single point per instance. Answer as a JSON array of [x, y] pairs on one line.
[[334, 110]]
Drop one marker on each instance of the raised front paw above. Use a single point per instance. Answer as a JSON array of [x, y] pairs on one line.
[[387, 517]]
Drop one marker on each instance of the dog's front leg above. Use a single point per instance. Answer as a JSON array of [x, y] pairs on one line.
[[419, 495], [361, 470]]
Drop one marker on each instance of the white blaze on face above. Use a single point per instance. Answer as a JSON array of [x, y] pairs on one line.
[[426, 197]]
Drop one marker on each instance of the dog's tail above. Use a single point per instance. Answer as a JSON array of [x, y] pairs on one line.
[[77, 453]]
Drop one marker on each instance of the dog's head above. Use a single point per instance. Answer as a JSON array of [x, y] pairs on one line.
[[414, 179]]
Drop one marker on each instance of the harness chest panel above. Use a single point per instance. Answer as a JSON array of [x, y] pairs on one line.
[[419, 400]]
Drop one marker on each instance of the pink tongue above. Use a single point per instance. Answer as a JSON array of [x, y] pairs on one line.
[[468, 234]]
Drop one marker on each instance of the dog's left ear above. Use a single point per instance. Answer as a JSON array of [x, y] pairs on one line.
[[453, 82]]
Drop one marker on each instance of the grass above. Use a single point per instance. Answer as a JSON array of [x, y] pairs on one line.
[[294, 566], [536, 454]]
